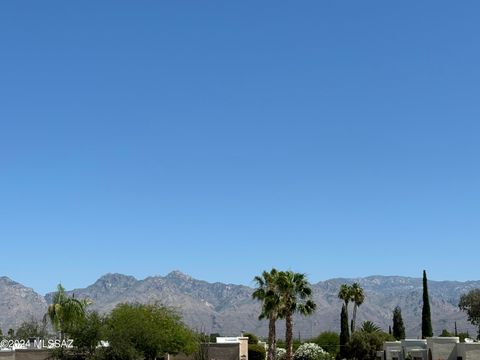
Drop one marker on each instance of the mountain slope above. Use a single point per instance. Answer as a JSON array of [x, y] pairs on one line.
[[229, 309], [18, 303]]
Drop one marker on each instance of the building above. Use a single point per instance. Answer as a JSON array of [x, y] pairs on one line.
[[434, 348]]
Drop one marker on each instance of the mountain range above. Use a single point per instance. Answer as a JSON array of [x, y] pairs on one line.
[[229, 309]]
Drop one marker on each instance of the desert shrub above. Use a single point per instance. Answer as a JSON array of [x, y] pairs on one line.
[[311, 351], [256, 352]]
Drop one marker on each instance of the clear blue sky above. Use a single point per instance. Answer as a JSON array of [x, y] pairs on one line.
[[222, 138]]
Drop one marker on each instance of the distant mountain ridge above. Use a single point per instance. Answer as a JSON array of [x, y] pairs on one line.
[[229, 309]]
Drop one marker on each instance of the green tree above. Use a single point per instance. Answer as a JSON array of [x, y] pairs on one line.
[[147, 331], [267, 292], [463, 336], [11, 333], [345, 294], [213, 337], [87, 333], [31, 328], [370, 327], [295, 297], [398, 326], [446, 333], [344, 332], [256, 352], [364, 346], [65, 311], [426, 318], [328, 341], [470, 303], [357, 296], [252, 338]]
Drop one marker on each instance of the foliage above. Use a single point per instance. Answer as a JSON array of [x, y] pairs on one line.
[[470, 303], [295, 344], [426, 318], [65, 311], [267, 292], [202, 352], [252, 338], [11, 333], [398, 326], [446, 333], [357, 296], [344, 294], [87, 333], [212, 337], [281, 353], [31, 328], [329, 341], [344, 332], [370, 327], [256, 352], [463, 336], [363, 345], [311, 351], [147, 331], [295, 297]]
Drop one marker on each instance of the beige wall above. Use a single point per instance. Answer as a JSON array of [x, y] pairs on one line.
[[469, 351], [31, 354], [443, 348], [7, 355]]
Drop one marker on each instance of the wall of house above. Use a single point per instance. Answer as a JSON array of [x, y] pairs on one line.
[[468, 351], [443, 348]]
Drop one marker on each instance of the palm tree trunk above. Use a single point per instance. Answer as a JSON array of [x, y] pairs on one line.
[[289, 335], [272, 346], [346, 311], [354, 316]]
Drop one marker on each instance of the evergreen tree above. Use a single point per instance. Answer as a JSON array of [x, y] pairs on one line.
[[344, 332], [426, 319], [389, 329], [398, 327], [456, 332]]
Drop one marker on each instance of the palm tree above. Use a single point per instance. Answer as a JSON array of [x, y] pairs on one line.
[[295, 297], [370, 327], [65, 311], [345, 294], [357, 296], [267, 292]]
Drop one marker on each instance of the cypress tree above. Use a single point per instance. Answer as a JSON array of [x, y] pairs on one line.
[[426, 319], [456, 332], [344, 332], [389, 329], [398, 327]]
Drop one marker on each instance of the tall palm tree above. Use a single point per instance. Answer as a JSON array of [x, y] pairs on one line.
[[357, 296], [64, 311], [267, 292], [345, 294], [295, 297]]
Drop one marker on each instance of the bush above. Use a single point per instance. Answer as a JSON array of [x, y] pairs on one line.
[[252, 338], [364, 345], [281, 353], [311, 351], [328, 341], [256, 352]]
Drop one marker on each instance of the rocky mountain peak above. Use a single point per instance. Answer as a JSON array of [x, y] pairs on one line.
[[177, 275]]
